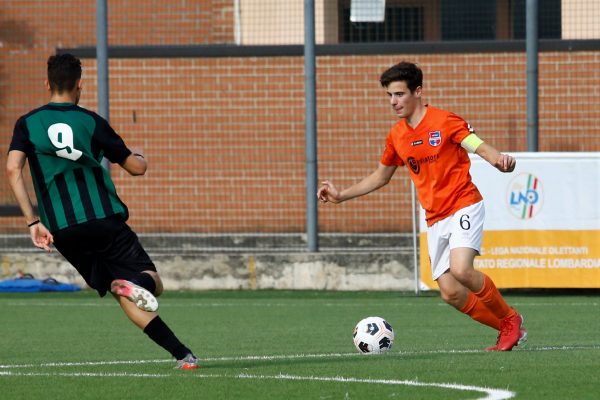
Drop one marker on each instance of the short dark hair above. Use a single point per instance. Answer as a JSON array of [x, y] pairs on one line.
[[64, 70], [403, 71]]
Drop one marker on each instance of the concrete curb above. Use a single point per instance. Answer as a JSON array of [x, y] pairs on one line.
[[359, 263]]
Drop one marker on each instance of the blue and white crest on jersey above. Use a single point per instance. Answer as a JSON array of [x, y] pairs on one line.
[[435, 138]]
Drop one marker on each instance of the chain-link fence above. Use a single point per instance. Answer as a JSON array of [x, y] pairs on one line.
[[213, 91]]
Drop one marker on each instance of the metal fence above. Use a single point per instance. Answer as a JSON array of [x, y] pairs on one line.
[[213, 90]]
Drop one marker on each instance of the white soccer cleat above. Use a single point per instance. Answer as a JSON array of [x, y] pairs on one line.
[[143, 299]]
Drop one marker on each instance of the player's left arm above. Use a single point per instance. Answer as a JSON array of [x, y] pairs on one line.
[[135, 163], [473, 144], [503, 162], [115, 150]]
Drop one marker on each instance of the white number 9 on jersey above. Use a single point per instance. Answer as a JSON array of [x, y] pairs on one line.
[[61, 136]]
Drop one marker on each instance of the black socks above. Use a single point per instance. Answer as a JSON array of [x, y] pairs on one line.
[[157, 330], [160, 333]]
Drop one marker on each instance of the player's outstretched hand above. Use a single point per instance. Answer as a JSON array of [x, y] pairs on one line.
[[328, 193], [506, 163], [41, 237]]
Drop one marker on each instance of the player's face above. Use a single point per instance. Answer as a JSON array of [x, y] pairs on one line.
[[403, 101]]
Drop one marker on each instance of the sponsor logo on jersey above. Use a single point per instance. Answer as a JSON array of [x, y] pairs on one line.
[[415, 165], [435, 138], [416, 143], [525, 196]]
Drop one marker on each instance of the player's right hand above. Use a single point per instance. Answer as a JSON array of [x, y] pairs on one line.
[[41, 237], [328, 193]]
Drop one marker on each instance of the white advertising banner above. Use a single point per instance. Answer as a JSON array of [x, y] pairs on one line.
[[542, 224]]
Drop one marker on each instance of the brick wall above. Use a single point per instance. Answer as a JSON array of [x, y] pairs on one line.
[[224, 137]]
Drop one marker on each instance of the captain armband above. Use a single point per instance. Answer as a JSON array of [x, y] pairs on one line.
[[471, 143]]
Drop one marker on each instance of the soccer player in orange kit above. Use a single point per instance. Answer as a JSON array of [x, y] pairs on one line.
[[434, 144]]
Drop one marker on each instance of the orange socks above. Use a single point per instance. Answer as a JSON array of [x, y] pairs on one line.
[[493, 300], [475, 309], [487, 306]]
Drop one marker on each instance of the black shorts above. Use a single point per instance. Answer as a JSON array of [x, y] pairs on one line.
[[103, 250]]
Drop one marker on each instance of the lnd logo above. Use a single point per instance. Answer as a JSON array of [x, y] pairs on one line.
[[525, 196]]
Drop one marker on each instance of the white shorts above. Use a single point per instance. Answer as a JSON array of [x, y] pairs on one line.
[[463, 229]]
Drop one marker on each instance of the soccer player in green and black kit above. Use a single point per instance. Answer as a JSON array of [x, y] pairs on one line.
[[80, 212]]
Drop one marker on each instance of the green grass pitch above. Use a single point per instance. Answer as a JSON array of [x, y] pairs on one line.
[[294, 345]]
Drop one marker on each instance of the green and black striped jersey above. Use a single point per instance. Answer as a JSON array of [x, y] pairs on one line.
[[64, 144]]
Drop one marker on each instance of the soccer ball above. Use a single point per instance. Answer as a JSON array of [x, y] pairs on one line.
[[373, 335]]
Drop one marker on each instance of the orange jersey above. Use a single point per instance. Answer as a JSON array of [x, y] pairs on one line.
[[438, 165]]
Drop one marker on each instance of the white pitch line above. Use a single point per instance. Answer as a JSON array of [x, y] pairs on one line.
[[52, 303], [85, 374], [290, 357], [490, 393]]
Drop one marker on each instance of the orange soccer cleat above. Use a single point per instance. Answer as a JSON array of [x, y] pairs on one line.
[[511, 334]]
